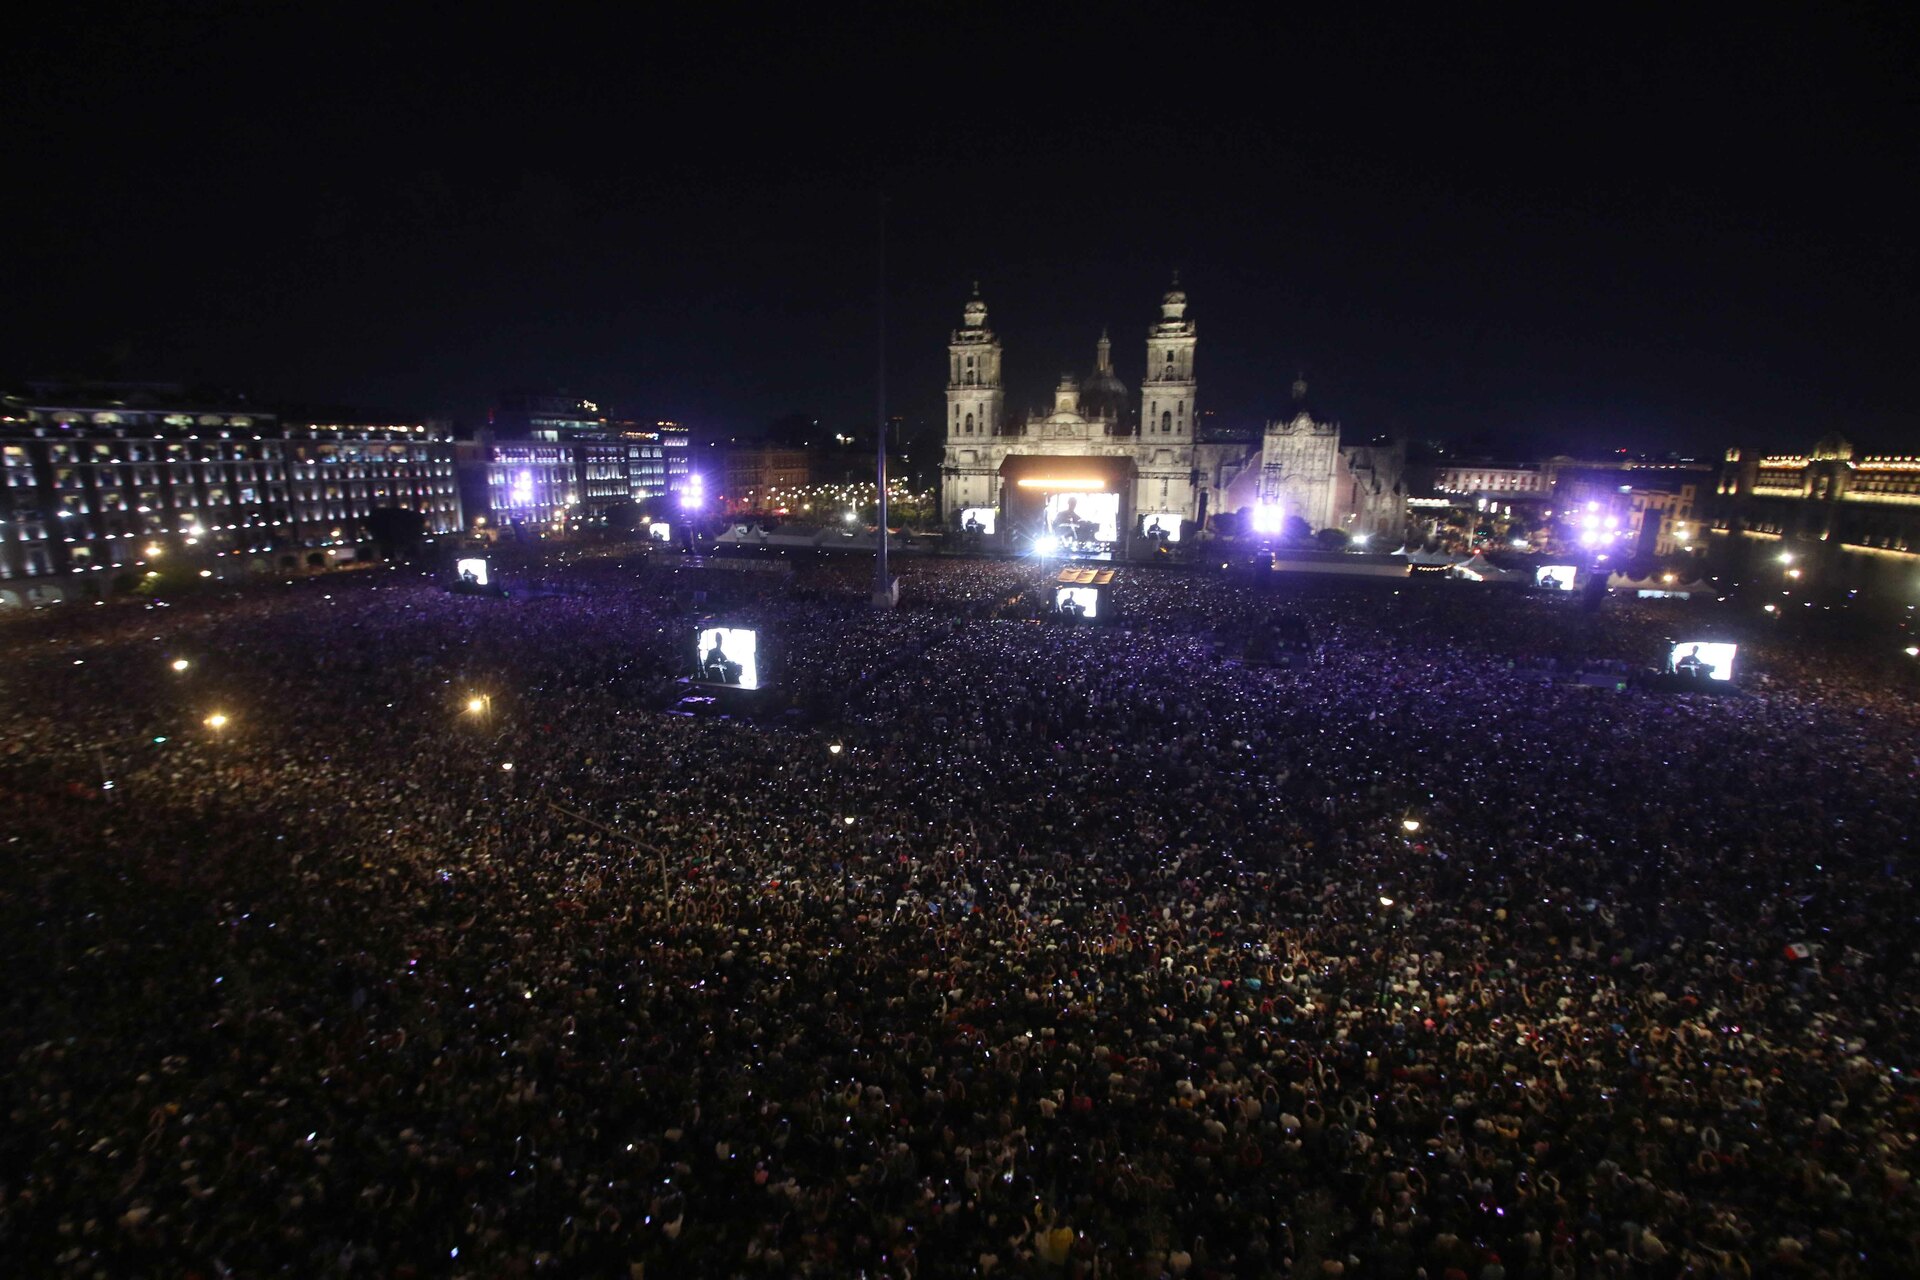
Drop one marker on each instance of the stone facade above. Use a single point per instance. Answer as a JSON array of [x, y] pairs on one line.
[[1158, 446], [1297, 467]]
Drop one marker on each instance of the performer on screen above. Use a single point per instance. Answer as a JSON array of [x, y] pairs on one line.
[[1693, 665], [718, 667], [466, 576], [1070, 524]]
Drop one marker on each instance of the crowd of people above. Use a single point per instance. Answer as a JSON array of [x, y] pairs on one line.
[[357, 928]]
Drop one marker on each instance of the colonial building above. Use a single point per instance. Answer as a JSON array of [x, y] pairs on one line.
[[1095, 472], [102, 485], [1856, 516]]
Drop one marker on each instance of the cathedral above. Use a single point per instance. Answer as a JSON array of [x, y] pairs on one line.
[[1095, 475]]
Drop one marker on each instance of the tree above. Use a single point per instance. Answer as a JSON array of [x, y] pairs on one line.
[[396, 531], [623, 516], [1333, 539], [1296, 529]]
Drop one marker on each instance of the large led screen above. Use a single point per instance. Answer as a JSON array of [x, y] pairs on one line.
[[1554, 577], [1077, 602], [1084, 517], [660, 531], [728, 655], [471, 572], [979, 519], [1162, 527], [1702, 660]]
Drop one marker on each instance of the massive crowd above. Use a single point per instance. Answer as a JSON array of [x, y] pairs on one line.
[[990, 945]]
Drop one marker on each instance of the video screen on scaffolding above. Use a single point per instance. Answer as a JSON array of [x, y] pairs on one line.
[[471, 571], [1084, 517], [979, 520], [1702, 660], [1554, 577], [1077, 602], [660, 531], [1161, 527], [728, 655]]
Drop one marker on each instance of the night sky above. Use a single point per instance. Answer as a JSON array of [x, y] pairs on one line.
[[1515, 232]]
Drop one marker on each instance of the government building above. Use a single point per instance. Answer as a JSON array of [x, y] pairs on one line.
[[1104, 471]]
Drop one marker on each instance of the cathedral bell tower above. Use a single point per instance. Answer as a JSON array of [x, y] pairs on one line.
[[976, 410], [975, 398], [1167, 392]]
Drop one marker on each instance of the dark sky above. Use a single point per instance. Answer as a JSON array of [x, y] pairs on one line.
[[1634, 230]]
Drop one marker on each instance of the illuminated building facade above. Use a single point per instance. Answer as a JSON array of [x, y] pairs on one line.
[[99, 486], [675, 442], [338, 474], [1153, 459], [545, 415], [519, 484], [1631, 512], [756, 472], [1858, 514]]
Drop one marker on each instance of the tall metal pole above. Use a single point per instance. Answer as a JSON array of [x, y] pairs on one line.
[[882, 580]]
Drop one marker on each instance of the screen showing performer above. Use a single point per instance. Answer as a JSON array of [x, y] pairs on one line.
[[660, 531], [728, 655], [979, 520], [1554, 577], [1161, 527], [1702, 660], [1077, 602], [1079, 518], [472, 572]]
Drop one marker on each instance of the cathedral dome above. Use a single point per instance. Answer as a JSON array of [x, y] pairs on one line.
[[1104, 396]]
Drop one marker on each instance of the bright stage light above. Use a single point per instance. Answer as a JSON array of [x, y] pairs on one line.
[[1045, 545], [1410, 825], [1053, 484], [1268, 518], [181, 664], [217, 721]]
